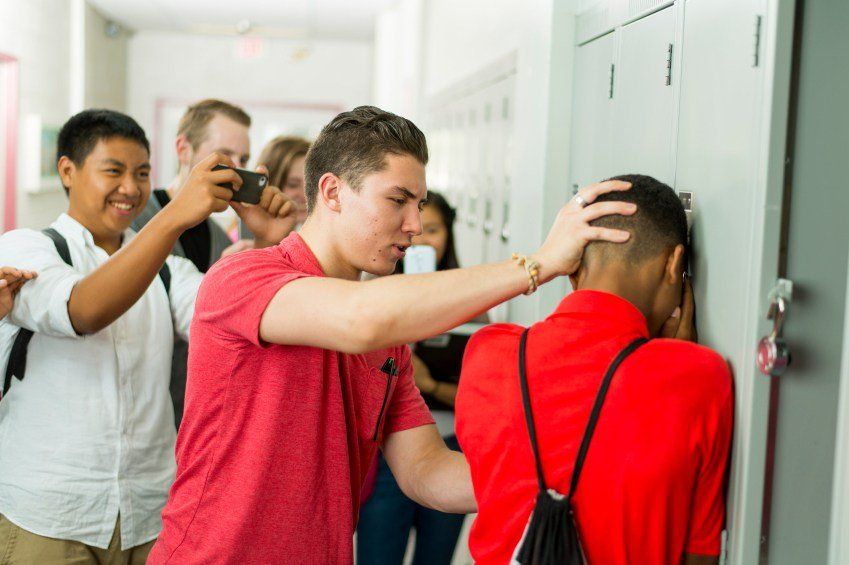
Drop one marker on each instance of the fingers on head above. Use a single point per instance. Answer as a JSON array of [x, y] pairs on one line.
[[601, 209], [606, 234], [593, 191]]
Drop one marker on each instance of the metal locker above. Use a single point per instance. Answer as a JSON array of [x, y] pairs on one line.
[[592, 111], [641, 132]]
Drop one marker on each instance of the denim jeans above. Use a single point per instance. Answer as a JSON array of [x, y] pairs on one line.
[[388, 516]]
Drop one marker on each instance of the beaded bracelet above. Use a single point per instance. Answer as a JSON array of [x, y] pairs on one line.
[[531, 269]]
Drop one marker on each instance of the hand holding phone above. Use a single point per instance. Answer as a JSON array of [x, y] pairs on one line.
[[252, 185]]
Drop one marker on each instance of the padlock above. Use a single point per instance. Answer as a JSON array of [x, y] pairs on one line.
[[773, 356], [773, 352]]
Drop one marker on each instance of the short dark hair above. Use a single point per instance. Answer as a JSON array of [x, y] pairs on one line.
[[355, 144], [80, 134], [658, 225]]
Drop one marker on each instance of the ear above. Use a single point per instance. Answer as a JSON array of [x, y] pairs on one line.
[[67, 169], [674, 269], [184, 150], [329, 187]]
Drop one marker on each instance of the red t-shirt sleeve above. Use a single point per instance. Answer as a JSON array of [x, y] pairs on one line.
[[236, 291], [707, 517], [407, 409]]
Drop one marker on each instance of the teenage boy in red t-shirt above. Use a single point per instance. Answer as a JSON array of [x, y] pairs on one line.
[[298, 371], [652, 487]]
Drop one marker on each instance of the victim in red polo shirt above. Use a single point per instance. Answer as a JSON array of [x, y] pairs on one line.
[[652, 487], [276, 440]]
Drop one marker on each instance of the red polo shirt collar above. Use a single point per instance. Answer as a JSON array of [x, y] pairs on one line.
[[295, 247], [623, 316]]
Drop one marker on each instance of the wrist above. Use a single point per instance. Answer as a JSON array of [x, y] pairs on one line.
[[545, 270], [169, 222], [430, 388]]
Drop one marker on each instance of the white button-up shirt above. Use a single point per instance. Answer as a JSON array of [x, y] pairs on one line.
[[89, 432]]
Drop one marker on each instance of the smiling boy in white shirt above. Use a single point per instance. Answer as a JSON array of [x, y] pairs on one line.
[[88, 434]]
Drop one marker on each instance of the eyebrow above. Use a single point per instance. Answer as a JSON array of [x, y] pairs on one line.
[[409, 194], [245, 156], [118, 163]]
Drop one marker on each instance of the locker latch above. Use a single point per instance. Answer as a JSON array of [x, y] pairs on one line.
[[773, 352]]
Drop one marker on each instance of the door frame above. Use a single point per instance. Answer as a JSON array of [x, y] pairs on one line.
[[9, 67]]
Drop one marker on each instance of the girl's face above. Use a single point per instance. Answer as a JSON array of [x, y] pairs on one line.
[[294, 187], [434, 231]]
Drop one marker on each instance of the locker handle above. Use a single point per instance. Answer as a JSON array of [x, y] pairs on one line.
[[487, 223], [505, 216]]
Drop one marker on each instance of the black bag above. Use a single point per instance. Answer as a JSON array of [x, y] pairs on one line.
[[17, 364], [551, 536]]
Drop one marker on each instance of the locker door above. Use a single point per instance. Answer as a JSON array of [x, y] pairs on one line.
[[460, 178], [473, 169], [499, 239], [719, 140], [493, 139], [642, 127], [591, 111]]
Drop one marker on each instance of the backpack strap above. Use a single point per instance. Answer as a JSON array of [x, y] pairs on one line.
[[529, 415], [165, 276], [594, 415], [599, 402], [61, 245], [17, 363]]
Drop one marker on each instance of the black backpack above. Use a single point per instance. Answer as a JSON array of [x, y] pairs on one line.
[[551, 536], [17, 364]]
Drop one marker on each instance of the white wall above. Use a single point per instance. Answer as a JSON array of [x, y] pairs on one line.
[[105, 64], [398, 60], [38, 34], [460, 38], [183, 68]]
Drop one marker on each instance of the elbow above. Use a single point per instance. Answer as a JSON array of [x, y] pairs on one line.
[[367, 329], [364, 336], [88, 323]]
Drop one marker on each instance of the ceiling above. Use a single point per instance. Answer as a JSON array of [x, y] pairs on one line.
[[296, 19]]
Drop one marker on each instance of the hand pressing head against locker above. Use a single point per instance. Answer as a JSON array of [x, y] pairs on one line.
[[648, 269]]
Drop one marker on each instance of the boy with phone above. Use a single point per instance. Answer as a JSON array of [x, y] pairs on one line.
[[216, 126], [87, 422]]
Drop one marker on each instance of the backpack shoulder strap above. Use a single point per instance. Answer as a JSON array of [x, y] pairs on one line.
[[529, 415], [64, 252], [165, 275], [594, 415], [17, 363], [599, 402], [60, 243]]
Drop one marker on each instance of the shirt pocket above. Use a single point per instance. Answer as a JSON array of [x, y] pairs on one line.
[[375, 397]]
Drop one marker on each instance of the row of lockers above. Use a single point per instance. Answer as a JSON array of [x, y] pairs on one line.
[[472, 164]]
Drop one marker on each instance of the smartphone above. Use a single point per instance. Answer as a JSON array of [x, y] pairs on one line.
[[252, 185], [420, 259]]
